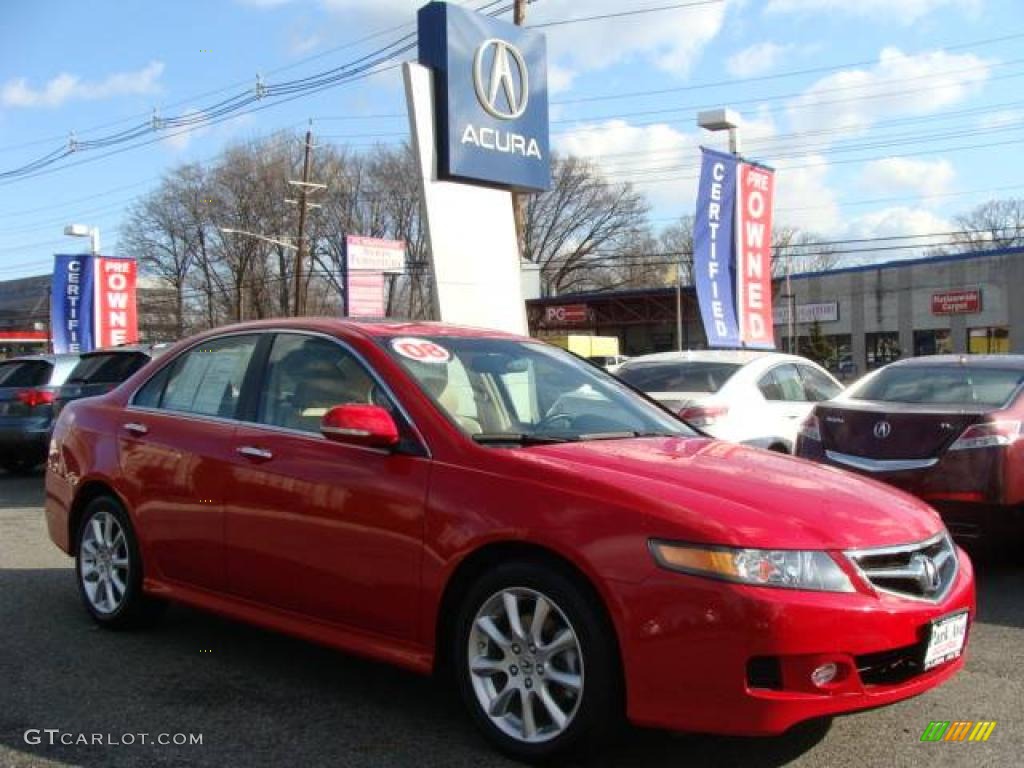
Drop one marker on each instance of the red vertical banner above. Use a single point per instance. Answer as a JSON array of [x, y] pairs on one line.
[[114, 301], [756, 188]]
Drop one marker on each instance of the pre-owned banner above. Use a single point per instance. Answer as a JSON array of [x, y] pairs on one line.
[[713, 248], [754, 256], [116, 318], [71, 303]]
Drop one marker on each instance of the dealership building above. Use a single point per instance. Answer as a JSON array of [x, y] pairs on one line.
[[852, 319]]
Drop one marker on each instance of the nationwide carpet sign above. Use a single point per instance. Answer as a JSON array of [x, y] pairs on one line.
[[491, 92], [732, 238], [93, 303]]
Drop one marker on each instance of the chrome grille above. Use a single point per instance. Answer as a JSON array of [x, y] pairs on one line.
[[922, 571]]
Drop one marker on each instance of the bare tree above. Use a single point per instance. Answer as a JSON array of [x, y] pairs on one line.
[[574, 230], [990, 226]]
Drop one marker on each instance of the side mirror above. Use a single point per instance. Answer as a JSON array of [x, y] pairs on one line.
[[366, 425]]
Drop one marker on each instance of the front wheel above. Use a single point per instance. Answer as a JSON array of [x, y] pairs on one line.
[[109, 568], [536, 664]]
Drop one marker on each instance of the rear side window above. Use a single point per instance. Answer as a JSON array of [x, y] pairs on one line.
[[958, 385], [783, 383], [205, 380], [818, 386], [107, 368], [25, 373], [678, 376]]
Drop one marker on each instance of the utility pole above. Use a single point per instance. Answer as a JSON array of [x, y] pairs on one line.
[[518, 198], [305, 186]]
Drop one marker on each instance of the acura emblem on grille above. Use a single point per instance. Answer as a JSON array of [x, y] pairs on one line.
[[882, 429], [926, 573]]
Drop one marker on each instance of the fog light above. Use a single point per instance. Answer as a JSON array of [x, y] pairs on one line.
[[824, 674]]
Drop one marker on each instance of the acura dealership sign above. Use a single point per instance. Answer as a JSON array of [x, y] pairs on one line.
[[490, 82]]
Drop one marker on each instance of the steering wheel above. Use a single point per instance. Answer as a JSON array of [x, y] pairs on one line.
[[548, 422]]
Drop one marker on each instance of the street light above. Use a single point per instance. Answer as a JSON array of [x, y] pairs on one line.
[[81, 230], [722, 120]]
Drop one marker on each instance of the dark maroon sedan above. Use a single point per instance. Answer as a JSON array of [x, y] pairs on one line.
[[945, 428]]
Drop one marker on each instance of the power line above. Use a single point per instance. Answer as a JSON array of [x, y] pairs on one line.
[[622, 14]]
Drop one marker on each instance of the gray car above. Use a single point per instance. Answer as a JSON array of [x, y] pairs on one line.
[[28, 388]]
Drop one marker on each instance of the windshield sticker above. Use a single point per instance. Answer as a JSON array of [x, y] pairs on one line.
[[421, 350]]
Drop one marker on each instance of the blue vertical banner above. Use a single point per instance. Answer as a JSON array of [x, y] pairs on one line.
[[71, 303], [714, 250]]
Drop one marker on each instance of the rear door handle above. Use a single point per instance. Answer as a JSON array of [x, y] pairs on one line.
[[255, 453], [135, 428]]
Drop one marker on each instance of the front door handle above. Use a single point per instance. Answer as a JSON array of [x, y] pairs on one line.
[[135, 428], [255, 453]]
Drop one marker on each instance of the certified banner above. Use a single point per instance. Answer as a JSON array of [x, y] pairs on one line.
[[713, 248], [116, 316], [71, 303], [754, 256]]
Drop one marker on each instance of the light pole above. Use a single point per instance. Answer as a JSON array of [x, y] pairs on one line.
[[81, 230]]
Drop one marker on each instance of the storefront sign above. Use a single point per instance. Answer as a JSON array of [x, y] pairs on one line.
[[567, 314], [825, 312], [966, 302], [490, 83], [374, 255], [366, 294]]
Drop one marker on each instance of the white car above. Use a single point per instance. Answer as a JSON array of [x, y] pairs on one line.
[[743, 396]]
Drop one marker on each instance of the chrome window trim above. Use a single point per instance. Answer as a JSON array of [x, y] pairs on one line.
[[378, 380], [853, 554], [879, 465]]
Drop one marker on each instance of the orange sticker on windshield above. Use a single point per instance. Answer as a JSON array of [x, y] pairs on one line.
[[421, 350]]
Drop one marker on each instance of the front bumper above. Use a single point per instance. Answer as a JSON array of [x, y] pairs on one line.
[[692, 646]]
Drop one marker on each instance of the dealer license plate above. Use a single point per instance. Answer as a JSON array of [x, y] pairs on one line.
[[947, 639]]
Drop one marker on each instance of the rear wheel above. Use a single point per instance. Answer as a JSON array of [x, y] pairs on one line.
[[109, 567], [535, 664]]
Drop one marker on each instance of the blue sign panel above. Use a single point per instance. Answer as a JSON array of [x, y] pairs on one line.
[[714, 252], [71, 303], [491, 97]]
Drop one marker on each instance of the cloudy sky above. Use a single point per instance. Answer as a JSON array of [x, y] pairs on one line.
[[883, 117]]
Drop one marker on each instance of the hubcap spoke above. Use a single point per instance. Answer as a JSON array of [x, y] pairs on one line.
[[529, 719], [563, 641], [558, 717], [489, 628], [485, 667], [541, 609], [564, 679], [499, 707], [515, 622]]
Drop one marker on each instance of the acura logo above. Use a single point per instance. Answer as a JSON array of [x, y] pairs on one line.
[[501, 93], [882, 429], [926, 573]]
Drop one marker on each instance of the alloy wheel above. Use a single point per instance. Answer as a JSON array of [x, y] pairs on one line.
[[104, 563], [525, 665]]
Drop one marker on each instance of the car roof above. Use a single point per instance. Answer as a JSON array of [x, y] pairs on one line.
[[151, 350], [46, 358], [1014, 362], [370, 328], [729, 356]]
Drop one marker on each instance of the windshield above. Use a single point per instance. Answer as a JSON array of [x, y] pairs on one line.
[[107, 367], [954, 385], [495, 388], [678, 376]]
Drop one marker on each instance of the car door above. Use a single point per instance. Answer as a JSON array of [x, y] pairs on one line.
[[175, 450], [318, 527], [786, 404]]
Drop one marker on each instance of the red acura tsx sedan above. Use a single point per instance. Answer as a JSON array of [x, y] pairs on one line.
[[453, 499]]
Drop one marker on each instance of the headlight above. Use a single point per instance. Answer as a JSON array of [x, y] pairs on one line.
[[789, 568]]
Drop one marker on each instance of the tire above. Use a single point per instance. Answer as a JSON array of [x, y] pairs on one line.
[[498, 668], [108, 568]]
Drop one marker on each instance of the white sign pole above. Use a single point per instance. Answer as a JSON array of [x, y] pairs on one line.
[[471, 230]]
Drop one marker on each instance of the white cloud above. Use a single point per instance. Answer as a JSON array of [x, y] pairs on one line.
[[897, 222], [758, 59], [902, 11], [300, 45], [559, 78], [641, 154], [902, 174], [66, 87], [178, 139], [897, 85], [803, 197], [1003, 119]]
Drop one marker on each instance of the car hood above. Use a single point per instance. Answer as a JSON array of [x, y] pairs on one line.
[[709, 491]]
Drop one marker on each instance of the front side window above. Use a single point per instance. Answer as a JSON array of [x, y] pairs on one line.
[[205, 380], [952, 384], [495, 389], [307, 376]]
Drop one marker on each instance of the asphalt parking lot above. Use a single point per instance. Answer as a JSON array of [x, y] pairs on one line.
[[263, 699]]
